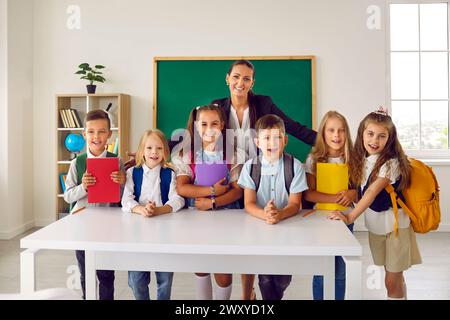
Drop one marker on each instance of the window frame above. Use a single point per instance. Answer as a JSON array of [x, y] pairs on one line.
[[442, 154]]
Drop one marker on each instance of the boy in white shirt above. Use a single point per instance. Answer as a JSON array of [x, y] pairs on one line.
[[97, 132]]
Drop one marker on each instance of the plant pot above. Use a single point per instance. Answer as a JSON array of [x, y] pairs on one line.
[[91, 88]]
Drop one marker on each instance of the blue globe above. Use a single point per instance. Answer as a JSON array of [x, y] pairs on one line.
[[74, 142]]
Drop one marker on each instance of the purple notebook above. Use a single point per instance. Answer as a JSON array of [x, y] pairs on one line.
[[208, 174]]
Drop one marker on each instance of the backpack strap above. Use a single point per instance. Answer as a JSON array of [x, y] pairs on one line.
[[395, 199], [138, 173], [166, 177], [255, 173], [80, 164], [288, 171], [288, 161]]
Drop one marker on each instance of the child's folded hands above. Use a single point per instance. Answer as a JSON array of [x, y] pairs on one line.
[[272, 213]]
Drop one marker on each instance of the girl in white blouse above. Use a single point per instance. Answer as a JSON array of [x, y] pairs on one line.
[[150, 191], [378, 160]]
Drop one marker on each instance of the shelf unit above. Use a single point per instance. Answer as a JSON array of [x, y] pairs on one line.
[[83, 103]]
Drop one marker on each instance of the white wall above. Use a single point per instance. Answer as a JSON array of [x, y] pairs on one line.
[[125, 35], [18, 202], [3, 113]]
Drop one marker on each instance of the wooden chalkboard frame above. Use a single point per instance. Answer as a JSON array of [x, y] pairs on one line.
[[313, 76]]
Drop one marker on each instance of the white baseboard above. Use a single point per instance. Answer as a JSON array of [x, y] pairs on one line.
[[9, 234], [443, 227], [43, 222]]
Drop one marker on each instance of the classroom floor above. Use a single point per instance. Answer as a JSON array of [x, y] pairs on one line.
[[430, 280]]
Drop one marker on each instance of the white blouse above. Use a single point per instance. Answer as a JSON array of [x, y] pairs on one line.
[[382, 223], [243, 135], [150, 190]]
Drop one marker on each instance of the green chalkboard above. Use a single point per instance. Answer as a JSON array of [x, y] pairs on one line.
[[183, 83]]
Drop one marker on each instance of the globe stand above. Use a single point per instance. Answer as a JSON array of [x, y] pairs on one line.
[[73, 155]]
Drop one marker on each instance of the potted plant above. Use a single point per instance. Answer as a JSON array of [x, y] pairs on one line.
[[91, 74]]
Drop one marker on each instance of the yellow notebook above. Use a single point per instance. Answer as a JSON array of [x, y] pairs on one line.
[[331, 178]]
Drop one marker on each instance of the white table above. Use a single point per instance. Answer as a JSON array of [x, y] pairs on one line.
[[228, 241]]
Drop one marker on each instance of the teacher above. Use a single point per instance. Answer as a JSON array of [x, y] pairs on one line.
[[243, 108]]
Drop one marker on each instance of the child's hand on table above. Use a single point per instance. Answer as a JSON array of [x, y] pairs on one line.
[[203, 204], [337, 215], [272, 214], [141, 210]]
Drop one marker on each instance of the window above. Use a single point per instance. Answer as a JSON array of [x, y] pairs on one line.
[[419, 75]]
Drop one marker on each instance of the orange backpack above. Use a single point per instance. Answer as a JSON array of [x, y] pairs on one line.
[[422, 199]]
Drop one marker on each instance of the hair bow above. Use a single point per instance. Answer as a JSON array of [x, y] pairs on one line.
[[382, 110]]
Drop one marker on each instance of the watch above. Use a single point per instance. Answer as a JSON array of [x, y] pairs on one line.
[[213, 191], [213, 201]]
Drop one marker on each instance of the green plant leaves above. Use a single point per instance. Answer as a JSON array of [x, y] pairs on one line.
[[91, 74]]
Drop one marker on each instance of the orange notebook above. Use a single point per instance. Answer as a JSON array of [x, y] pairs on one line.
[[105, 190]]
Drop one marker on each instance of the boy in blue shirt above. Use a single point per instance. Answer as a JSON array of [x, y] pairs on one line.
[[97, 132], [273, 184]]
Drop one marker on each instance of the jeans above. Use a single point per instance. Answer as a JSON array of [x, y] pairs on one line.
[[339, 282], [272, 287], [105, 278], [138, 281]]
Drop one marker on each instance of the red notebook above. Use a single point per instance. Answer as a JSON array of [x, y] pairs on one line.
[[104, 190]]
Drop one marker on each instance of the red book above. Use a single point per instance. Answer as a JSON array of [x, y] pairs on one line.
[[104, 190]]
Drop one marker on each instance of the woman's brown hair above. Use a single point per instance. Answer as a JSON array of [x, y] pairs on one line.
[[251, 95]]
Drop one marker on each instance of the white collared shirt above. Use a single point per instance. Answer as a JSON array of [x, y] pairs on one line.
[[382, 223], [75, 192], [309, 163], [150, 190]]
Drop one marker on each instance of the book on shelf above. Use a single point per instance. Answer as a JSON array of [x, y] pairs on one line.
[[114, 146], [76, 118], [69, 118], [62, 179], [72, 118], [63, 118]]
